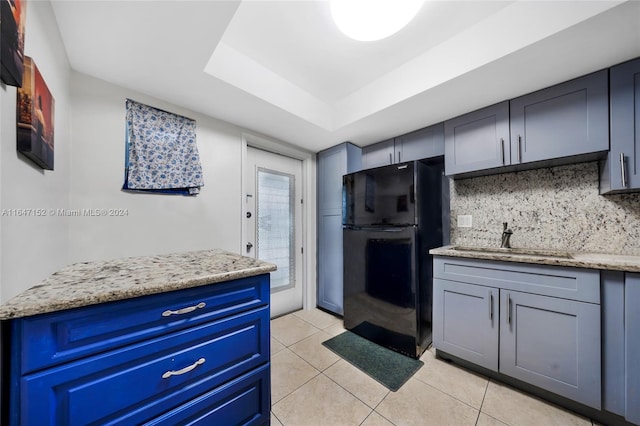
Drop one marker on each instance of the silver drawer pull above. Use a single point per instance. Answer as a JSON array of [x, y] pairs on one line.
[[186, 310], [184, 370]]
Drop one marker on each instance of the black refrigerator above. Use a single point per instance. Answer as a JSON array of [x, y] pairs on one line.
[[391, 217]]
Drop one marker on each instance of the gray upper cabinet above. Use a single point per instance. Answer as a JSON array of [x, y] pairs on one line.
[[620, 172], [378, 154], [562, 124], [568, 119], [332, 164], [423, 143], [477, 141]]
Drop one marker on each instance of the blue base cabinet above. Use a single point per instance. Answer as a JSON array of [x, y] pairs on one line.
[[195, 356], [535, 323]]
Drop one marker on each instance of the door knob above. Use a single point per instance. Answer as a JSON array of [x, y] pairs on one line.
[[249, 245], [248, 215]]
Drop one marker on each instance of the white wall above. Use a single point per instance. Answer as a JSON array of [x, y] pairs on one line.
[[89, 173], [154, 223], [34, 247]]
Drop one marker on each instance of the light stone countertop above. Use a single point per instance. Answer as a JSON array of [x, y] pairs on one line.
[[614, 262], [90, 283]]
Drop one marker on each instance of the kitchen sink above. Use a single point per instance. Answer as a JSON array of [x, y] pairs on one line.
[[517, 251]]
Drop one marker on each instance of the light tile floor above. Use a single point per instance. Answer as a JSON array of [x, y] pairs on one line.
[[310, 385]]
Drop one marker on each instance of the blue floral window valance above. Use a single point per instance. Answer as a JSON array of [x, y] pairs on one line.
[[161, 153]]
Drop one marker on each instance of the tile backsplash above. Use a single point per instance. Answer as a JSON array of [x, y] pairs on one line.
[[553, 208]]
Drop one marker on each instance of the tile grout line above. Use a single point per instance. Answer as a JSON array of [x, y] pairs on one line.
[[307, 362], [483, 398]]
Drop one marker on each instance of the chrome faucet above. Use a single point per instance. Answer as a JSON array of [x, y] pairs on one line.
[[506, 236]]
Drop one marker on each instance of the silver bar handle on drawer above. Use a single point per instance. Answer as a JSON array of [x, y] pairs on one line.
[[622, 171], [518, 149], [490, 305], [502, 150], [184, 370], [508, 308], [186, 310]]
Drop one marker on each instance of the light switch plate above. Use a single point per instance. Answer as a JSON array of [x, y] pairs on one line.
[[464, 221]]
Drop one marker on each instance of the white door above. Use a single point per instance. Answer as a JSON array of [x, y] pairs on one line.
[[274, 224]]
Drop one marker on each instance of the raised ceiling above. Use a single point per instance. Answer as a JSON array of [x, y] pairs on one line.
[[282, 68]]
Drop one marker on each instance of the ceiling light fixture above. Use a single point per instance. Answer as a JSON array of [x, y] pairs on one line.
[[369, 20]]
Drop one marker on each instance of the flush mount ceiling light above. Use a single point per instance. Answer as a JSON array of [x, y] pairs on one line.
[[369, 20]]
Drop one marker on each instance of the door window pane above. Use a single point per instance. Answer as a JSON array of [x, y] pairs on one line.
[[275, 236]]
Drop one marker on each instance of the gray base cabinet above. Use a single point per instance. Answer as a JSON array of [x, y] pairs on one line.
[[552, 343], [539, 324], [332, 165], [466, 322], [621, 344], [632, 347], [620, 172]]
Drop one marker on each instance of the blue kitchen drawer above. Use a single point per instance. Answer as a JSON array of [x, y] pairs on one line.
[[244, 401], [51, 339], [126, 385]]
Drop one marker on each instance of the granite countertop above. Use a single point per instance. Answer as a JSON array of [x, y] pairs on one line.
[[615, 262], [90, 283]]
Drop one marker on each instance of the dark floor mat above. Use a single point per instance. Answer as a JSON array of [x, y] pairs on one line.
[[384, 365]]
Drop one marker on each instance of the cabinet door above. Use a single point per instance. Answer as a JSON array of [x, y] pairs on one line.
[[552, 343], [379, 154], [632, 333], [568, 119], [613, 358], [625, 126], [332, 165], [465, 322], [478, 140], [423, 143], [330, 281]]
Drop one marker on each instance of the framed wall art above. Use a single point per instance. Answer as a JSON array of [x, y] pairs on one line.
[[35, 117], [12, 22]]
